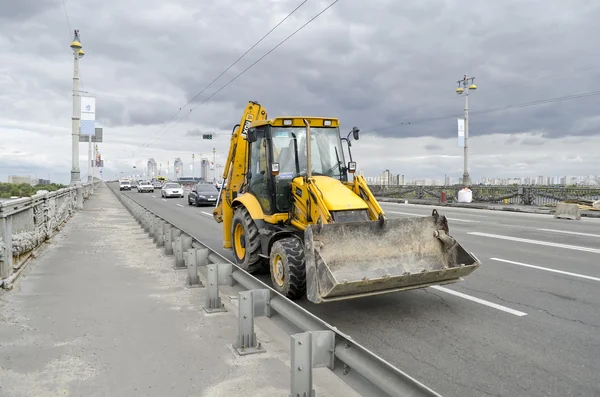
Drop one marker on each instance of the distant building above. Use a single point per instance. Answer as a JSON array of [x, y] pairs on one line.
[[151, 168], [204, 169], [178, 164], [43, 182], [18, 179]]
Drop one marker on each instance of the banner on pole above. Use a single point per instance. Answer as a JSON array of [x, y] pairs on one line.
[[87, 118], [461, 132]]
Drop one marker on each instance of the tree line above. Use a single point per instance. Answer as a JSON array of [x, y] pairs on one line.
[[8, 190]]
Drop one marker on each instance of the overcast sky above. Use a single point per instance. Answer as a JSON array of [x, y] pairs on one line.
[[378, 65]]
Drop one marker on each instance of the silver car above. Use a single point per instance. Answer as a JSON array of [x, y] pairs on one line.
[[171, 189], [145, 186]]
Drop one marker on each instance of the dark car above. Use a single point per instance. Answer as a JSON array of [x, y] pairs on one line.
[[202, 194]]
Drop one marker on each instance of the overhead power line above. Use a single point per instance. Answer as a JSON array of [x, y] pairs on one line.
[[229, 67], [252, 65], [491, 110], [67, 16]]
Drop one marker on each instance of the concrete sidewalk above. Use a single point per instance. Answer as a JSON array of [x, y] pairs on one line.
[[102, 313]]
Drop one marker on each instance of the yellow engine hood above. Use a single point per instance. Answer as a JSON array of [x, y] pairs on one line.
[[337, 196]]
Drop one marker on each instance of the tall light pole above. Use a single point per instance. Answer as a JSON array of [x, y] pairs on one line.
[[193, 157], [469, 87], [75, 173], [215, 165]]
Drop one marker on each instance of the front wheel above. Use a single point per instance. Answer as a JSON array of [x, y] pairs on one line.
[[246, 241], [288, 269]]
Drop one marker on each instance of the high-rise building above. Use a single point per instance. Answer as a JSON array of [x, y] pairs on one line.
[[18, 179], [204, 170], [178, 167], [151, 170]]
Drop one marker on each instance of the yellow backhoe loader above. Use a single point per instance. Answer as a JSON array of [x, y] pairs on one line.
[[288, 206]]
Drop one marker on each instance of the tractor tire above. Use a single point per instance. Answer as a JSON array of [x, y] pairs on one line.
[[246, 241], [288, 269]]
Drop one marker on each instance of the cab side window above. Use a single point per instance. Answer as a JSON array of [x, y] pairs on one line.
[[258, 167]]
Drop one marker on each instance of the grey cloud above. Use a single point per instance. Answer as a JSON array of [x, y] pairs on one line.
[[532, 142], [433, 147], [387, 64], [512, 139]]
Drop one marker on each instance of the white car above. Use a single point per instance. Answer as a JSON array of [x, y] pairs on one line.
[[171, 189], [124, 185], [145, 186]]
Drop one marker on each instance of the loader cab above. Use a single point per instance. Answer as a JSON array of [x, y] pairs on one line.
[[278, 154]]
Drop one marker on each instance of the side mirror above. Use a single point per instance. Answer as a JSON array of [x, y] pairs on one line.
[[352, 167], [275, 168], [251, 135], [355, 133]]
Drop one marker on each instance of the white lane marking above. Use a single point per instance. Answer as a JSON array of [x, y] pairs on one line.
[[404, 213], [538, 242], [450, 219], [179, 205], [462, 220], [207, 213], [481, 301], [567, 232], [154, 196], [164, 199], [547, 269]]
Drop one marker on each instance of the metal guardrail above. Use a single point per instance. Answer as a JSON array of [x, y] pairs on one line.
[[317, 345], [521, 195], [26, 223]]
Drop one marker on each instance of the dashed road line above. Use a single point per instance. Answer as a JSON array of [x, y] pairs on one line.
[[548, 269], [537, 242], [480, 301]]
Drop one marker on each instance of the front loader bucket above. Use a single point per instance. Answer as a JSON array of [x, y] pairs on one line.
[[352, 260]]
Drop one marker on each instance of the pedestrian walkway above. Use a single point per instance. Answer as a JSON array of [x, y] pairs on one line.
[[101, 312]]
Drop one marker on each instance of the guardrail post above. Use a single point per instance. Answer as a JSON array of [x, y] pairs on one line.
[[151, 224], [155, 229], [252, 303], [183, 242], [217, 274], [309, 350], [168, 239], [160, 234], [7, 265], [145, 222], [193, 281]]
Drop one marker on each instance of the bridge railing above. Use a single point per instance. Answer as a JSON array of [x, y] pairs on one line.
[[521, 195], [26, 223]]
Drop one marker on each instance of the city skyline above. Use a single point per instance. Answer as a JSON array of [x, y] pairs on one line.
[[388, 178]]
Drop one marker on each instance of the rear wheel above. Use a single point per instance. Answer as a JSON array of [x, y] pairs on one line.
[[246, 241], [288, 270]]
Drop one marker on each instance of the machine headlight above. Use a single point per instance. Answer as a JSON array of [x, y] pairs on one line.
[[327, 123], [288, 122]]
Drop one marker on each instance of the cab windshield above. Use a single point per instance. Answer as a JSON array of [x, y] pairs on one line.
[[289, 150]]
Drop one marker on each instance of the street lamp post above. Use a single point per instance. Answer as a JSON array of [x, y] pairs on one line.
[[469, 87], [75, 173]]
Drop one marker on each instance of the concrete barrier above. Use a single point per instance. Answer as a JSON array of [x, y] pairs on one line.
[[567, 211]]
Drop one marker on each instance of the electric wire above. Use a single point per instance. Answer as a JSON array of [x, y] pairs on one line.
[[226, 70]]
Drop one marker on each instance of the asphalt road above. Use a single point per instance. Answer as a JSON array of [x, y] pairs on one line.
[[527, 323]]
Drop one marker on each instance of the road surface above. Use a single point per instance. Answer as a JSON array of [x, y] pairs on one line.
[[526, 323]]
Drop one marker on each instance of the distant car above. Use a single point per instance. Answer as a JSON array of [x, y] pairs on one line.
[[125, 185], [157, 184], [145, 186], [171, 189], [202, 194]]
